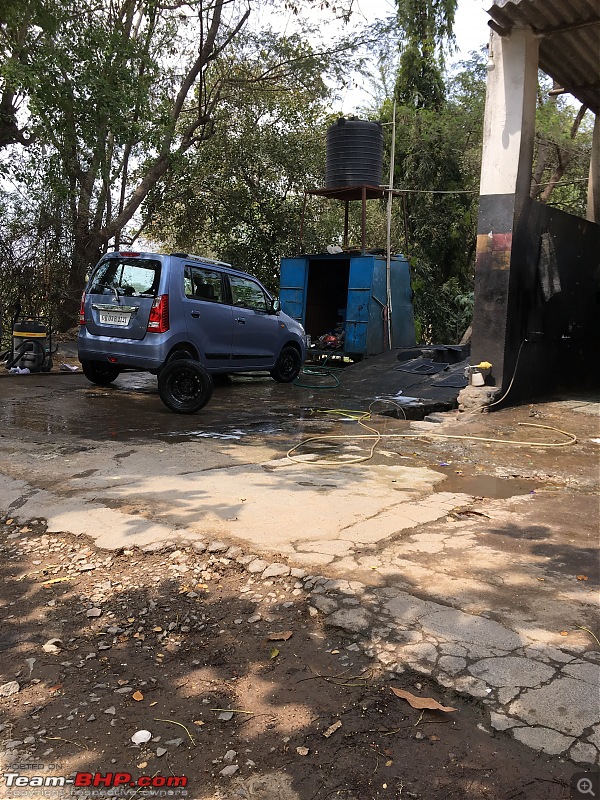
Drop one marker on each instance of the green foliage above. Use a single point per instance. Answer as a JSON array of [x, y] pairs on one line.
[[442, 312], [30, 276], [439, 125], [26, 28], [431, 21], [116, 98], [240, 197], [419, 82], [437, 161], [425, 27], [563, 145], [182, 125]]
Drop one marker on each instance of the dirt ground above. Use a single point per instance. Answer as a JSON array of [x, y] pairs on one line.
[[189, 646]]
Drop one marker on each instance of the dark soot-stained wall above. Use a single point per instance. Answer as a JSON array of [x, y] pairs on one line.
[[541, 314]]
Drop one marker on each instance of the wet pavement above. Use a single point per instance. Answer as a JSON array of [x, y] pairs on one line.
[[443, 544]]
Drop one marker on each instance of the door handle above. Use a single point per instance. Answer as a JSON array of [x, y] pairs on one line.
[[195, 314], [241, 320]]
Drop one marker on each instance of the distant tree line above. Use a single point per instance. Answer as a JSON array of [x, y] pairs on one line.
[[189, 126]]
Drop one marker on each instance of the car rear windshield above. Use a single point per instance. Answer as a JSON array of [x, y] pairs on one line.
[[130, 277]]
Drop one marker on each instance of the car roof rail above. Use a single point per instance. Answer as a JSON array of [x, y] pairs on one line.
[[202, 258]]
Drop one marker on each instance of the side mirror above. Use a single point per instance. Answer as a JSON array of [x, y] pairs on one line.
[[275, 306]]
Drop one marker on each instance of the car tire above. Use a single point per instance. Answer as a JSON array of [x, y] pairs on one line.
[[99, 372], [185, 386], [288, 366]]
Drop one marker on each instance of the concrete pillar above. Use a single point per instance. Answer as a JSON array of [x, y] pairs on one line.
[[508, 139], [593, 197]]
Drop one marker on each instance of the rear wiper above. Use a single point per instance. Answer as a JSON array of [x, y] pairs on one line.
[[110, 289]]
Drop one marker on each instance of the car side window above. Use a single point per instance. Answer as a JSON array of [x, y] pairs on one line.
[[203, 284], [247, 293]]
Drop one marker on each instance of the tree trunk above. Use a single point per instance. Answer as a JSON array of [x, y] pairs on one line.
[[87, 251]]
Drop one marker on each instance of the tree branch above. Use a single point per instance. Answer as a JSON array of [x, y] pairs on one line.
[[564, 157]]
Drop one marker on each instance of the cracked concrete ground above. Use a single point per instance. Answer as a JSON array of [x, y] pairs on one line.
[[474, 562]]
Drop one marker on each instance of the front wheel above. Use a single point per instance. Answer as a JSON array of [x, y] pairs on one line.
[[99, 372], [288, 366], [185, 386]]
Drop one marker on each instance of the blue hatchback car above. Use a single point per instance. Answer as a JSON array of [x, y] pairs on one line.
[[183, 318]]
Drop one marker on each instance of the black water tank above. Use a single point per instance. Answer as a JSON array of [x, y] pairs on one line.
[[354, 154]]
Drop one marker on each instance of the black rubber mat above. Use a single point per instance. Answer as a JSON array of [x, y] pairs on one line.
[[452, 382], [422, 366]]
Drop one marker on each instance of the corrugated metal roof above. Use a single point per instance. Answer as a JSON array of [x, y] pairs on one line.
[[569, 32]]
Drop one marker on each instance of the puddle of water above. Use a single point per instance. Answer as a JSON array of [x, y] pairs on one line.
[[233, 433], [400, 399], [486, 486]]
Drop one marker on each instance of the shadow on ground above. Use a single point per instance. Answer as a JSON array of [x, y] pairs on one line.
[[190, 632]]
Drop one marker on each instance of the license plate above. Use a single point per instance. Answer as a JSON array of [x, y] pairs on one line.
[[114, 319]]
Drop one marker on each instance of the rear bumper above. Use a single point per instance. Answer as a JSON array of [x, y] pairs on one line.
[[146, 354]]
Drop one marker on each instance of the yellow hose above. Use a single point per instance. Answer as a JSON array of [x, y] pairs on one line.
[[378, 436]]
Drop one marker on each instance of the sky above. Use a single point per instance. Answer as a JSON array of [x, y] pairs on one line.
[[470, 29], [471, 32]]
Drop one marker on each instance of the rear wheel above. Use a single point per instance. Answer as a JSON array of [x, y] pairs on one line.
[[179, 355], [99, 372], [176, 356], [185, 386], [288, 366]]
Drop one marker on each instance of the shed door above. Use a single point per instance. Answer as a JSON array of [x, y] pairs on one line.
[[359, 299], [292, 289]]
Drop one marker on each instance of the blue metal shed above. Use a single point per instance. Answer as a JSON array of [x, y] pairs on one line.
[[325, 291]]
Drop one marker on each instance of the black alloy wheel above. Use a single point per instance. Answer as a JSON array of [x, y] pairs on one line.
[[185, 386], [288, 365]]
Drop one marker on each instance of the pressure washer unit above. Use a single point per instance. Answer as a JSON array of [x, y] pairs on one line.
[[31, 345]]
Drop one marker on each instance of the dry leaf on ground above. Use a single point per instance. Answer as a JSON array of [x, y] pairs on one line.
[[421, 702], [332, 729], [283, 636]]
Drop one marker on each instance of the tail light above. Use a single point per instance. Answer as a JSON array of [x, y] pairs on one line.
[[82, 310], [158, 321]]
